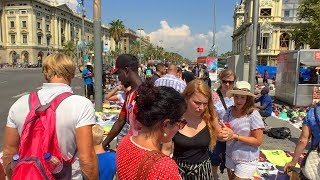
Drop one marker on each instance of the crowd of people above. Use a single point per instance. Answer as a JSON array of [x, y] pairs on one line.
[[172, 125]]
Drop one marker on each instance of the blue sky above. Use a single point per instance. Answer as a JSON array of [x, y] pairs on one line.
[[177, 25]]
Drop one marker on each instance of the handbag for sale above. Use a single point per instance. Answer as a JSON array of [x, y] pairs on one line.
[[311, 169]]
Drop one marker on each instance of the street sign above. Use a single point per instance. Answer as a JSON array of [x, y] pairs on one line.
[[106, 45]]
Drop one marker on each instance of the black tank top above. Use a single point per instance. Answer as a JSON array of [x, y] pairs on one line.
[[192, 149]]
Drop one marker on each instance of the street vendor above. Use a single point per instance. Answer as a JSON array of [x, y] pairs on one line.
[[127, 70], [265, 108]]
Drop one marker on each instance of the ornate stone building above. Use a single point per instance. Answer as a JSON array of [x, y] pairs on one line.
[[275, 19], [32, 29]]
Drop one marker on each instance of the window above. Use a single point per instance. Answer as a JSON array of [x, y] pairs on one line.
[[286, 13], [11, 12], [23, 12], [24, 39], [39, 39], [13, 39], [265, 41], [38, 13], [47, 27], [38, 25], [12, 24], [48, 41], [265, 12], [24, 24], [284, 41], [47, 17]]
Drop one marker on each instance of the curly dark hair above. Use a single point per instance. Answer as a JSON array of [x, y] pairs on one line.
[[155, 104]]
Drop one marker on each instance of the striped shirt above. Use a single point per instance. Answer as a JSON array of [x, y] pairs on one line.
[[170, 80]]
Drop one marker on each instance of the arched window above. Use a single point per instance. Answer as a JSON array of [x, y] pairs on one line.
[[284, 41]]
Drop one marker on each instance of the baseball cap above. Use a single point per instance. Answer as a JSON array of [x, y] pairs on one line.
[[125, 60]]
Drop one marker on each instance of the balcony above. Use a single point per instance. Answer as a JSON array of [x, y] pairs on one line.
[[268, 52]]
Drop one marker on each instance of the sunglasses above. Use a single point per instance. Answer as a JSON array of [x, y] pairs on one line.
[[229, 82], [181, 123]]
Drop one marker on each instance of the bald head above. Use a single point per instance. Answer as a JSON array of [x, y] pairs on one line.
[[172, 69]]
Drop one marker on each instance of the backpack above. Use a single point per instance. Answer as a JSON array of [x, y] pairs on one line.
[[39, 137], [279, 133], [148, 73]]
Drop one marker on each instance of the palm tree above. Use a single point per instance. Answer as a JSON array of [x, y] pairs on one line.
[[135, 48], [116, 30], [69, 49]]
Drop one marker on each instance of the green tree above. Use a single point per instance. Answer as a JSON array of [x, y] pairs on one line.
[[69, 49], [116, 30], [307, 32], [226, 54], [135, 48]]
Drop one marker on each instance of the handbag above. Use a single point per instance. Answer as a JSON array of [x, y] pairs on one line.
[[311, 169], [154, 155]]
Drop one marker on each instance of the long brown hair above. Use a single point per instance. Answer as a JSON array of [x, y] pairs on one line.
[[209, 115]]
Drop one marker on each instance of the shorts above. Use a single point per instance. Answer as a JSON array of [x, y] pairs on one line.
[[243, 170], [216, 154]]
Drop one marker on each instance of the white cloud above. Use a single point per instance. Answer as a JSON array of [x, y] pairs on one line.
[[181, 40]]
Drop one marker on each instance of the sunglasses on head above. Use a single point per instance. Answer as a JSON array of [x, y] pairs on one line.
[[181, 123], [229, 82]]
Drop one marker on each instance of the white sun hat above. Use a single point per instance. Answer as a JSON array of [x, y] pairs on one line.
[[241, 88]]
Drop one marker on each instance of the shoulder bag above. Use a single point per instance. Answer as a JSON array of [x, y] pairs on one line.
[[154, 155], [311, 169]]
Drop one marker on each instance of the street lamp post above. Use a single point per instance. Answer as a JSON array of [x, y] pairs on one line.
[[140, 57], [253, 60]]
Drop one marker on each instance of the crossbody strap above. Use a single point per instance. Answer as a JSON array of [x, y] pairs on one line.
[[222, 99], [155, 156]]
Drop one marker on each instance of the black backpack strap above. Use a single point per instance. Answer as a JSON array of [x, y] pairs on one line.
[[222, 99]]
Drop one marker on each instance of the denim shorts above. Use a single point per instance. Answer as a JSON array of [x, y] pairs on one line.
[[216, 154], [244, 170]]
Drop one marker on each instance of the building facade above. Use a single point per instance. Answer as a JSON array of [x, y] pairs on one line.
[[275, 19], [32, 29]]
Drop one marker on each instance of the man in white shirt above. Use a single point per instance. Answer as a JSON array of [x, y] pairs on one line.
[[171, 79], [74, 117]]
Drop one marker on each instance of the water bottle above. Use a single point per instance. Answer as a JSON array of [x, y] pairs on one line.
[[54, 165], [15, 160]]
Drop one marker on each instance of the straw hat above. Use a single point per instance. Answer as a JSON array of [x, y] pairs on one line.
[[241, 88]]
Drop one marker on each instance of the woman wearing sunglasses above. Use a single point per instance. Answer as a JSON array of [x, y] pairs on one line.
[[221, 104], [191, 143], [159, 110]]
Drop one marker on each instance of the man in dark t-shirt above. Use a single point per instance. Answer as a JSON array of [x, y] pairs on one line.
[[160, 71]]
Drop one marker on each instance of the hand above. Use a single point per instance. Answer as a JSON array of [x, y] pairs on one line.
[[120, 87], [225, 133], [288, 167]]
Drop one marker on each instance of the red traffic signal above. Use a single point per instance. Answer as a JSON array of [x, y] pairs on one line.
[[199, 50]]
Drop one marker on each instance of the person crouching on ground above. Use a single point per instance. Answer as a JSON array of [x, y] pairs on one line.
[[106, 159], [242, 151], [159, 110], [265, 108]]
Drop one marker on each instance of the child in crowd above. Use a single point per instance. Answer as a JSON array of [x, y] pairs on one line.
[[106, 160], [242, 151]]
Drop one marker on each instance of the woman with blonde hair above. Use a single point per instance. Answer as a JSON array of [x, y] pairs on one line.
[[221, 103], [191, 144], [242, 151]]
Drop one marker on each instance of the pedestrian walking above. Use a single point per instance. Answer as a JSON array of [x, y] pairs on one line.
[[159, 110], [221, 104], [171, 79], [67, 130], [242, 151], [265, 77], [87, 75], [160, 72]]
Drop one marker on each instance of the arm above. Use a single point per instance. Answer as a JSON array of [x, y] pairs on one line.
[[11, 145], [255, 139], [87, 156], [167, 148], [303, 141], [116, 128], [113, 92], [262, 107]]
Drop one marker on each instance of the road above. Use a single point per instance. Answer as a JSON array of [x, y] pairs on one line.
[[15, 83]]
